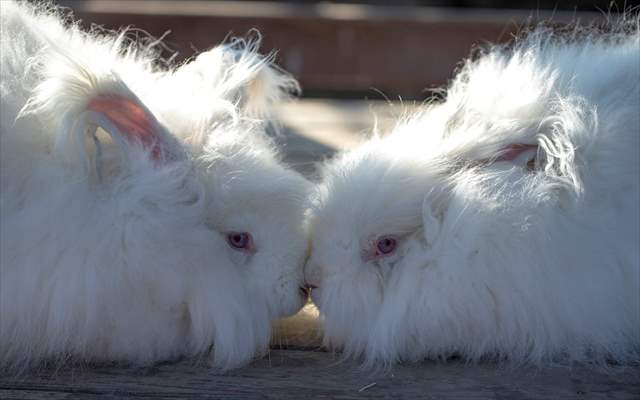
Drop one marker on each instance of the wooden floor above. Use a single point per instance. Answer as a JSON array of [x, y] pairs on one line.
[[306, 375], [297, 367]]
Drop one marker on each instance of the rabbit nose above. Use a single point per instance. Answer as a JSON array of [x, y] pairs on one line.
[[306, 289]]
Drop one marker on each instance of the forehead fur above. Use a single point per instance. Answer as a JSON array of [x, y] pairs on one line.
[[377, 189], [244, 172]]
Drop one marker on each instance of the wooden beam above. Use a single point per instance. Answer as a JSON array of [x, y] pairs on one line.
[[330, 48]]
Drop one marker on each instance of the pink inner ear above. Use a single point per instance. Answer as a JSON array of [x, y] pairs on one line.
[[131, 119], [512, 152]]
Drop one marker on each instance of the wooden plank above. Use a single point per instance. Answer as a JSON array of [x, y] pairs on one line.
[[287, 374], [345, 48]]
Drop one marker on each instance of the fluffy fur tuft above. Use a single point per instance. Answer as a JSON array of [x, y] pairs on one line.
[[532, 260], [113, 251]]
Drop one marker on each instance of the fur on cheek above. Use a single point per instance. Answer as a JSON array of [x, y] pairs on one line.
[[340, 301]]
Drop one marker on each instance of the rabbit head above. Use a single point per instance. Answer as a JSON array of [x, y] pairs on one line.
[[397, 222], [366, 225], [394, 226], [219, 105]]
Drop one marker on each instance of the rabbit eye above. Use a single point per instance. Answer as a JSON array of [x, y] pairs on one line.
[[379, 248], [240, 241], [386, 245]]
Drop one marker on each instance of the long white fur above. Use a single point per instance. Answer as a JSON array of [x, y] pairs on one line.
[[495, 260], [131, 264]]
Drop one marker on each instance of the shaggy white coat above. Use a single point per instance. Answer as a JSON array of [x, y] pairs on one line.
[[112, 245], [494, 259]]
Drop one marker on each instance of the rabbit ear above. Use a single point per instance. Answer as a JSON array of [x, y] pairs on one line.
[[76, 97], [522, 154], [128, 119], [234, 77], [434, 206]]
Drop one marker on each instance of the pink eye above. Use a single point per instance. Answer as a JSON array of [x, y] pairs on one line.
[[240, 240], [386, 245], [378, 248]]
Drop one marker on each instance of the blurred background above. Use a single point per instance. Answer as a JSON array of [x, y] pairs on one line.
[[357, 61], [356, 49]]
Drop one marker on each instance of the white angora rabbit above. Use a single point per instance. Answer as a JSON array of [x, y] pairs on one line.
[[144, 212], [501, 223]]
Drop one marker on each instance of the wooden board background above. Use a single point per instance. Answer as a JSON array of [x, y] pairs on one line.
[[352, 50]]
